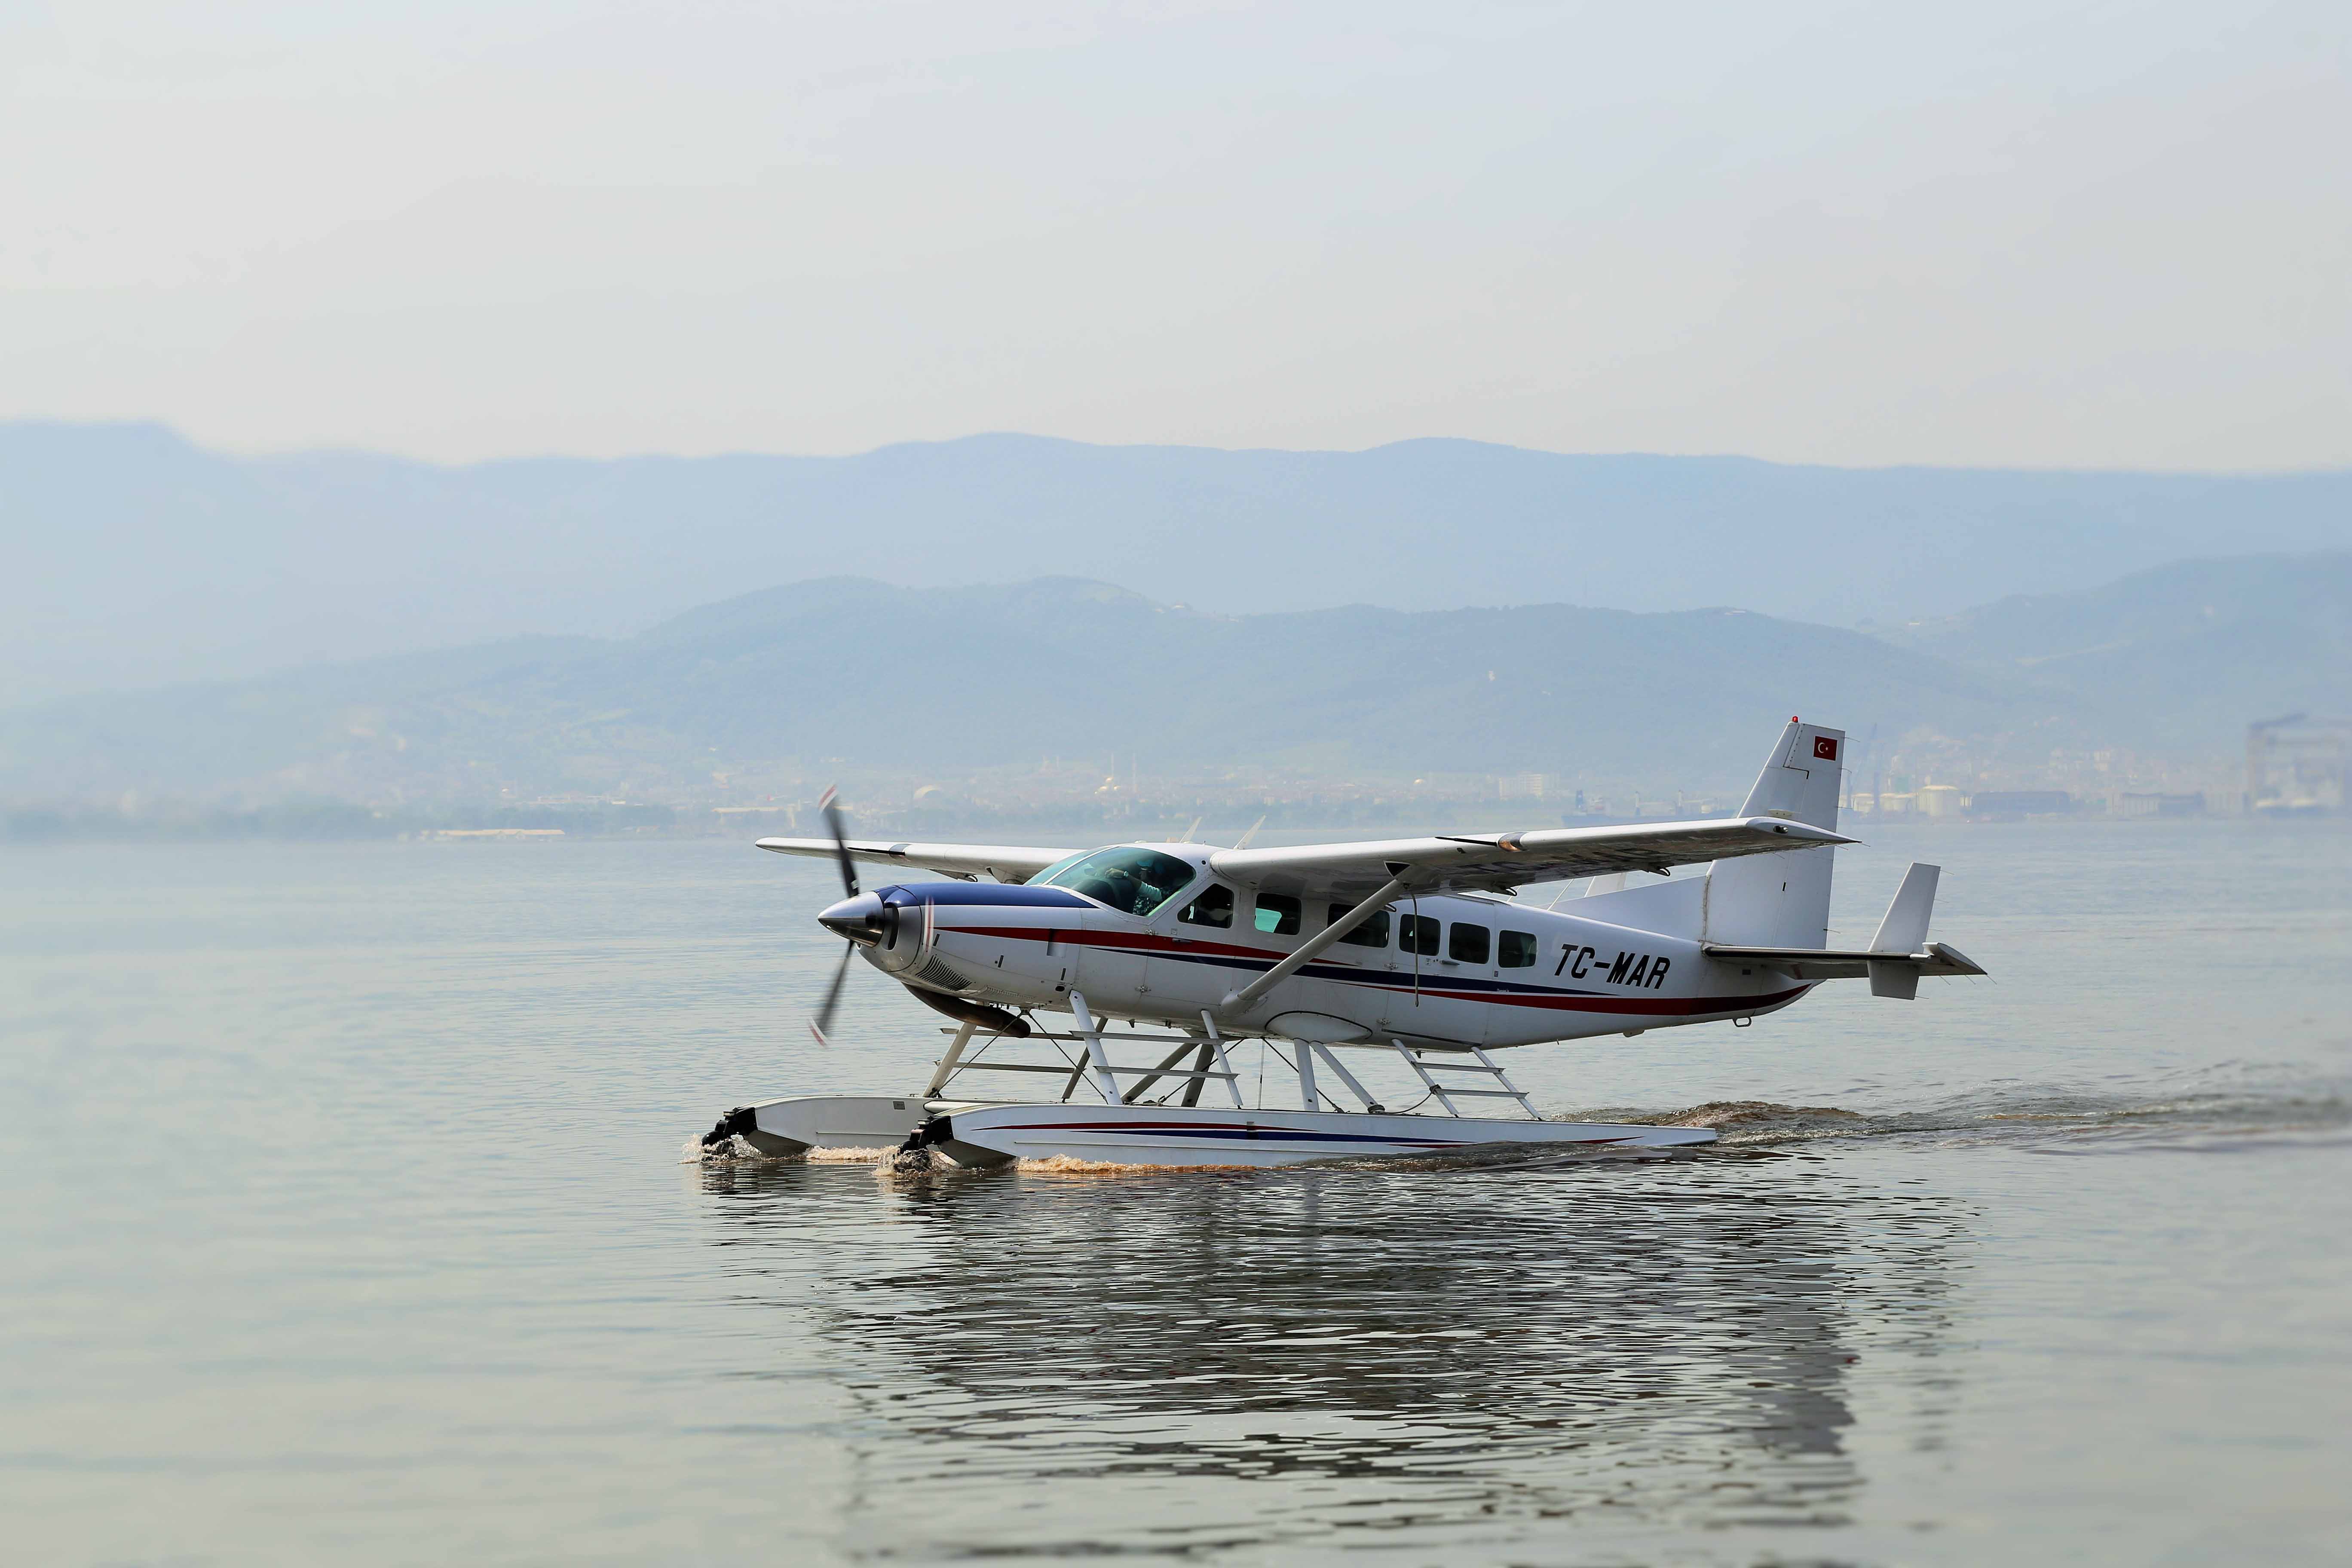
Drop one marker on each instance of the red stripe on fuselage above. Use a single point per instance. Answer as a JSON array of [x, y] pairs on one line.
[[1551, 1001]]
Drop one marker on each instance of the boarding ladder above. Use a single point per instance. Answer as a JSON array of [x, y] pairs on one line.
[[1424, 1062]]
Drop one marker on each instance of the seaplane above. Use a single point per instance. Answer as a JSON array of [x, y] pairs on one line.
[[1422, 955]]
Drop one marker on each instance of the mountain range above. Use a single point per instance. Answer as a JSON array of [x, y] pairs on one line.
[[954, 680], [139, 560]]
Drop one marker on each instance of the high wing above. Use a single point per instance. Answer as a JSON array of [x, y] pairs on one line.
[[966, 862], [1496, 861]]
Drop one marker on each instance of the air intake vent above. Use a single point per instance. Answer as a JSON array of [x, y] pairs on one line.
[[940, 977]]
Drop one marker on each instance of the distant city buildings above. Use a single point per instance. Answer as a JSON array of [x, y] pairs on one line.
[[2294, 766], [2297, 766]]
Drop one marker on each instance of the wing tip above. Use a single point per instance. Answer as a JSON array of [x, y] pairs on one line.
[[1804, 830], [1968, 967]]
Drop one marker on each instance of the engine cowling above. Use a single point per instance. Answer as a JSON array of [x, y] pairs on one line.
[[892, 927]]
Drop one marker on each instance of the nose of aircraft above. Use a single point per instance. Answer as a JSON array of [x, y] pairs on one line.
[[862, 920]]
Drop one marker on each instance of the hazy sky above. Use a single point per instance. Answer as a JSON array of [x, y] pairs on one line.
[[2044, 233]]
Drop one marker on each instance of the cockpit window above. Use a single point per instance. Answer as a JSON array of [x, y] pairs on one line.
[[1133, 881]]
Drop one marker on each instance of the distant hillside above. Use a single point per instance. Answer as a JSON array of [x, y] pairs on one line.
[[136, 559], [954, 680], [2178, 655]]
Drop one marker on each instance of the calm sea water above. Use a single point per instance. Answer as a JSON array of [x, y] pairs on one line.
[[345, 1220]]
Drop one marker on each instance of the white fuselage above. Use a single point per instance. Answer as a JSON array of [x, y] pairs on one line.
[[1445, 970]]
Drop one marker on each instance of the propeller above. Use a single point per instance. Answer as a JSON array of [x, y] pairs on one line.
[[824, 1019], [866, 921], [840, 843]]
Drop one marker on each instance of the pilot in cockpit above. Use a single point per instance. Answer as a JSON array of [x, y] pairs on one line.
[[1120, 888]]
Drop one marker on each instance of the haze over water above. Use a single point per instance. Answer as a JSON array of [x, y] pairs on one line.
[[346, 1221]]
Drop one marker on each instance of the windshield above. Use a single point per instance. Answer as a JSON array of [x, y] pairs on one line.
[[1133, 881], [1057, 867]]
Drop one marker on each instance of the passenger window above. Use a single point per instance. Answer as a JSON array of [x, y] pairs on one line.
[[1278, 914], [1517, 949], [1418, 933], [1214, 907], [1469, 945], [1374, 932]]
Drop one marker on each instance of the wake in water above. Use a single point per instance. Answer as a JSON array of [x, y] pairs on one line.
[[2227, 1103], [2225, 1106], [929, 1162], [735, 1151]]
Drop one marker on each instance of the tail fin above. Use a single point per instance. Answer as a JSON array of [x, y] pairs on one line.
[[1905, 928], [1905, 931], [1782, 900]]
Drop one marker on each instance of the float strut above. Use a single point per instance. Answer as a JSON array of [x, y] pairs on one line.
[[1331, 1060], [1094, 1056], [1217, 1044], [946, 1066]]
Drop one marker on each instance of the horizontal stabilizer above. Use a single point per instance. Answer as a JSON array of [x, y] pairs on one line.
[[1847, 963], [1895, 960]]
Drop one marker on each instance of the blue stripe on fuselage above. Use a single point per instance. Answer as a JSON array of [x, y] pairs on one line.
[[1003, 895]]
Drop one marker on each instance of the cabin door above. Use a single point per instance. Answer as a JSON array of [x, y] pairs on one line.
[[1437, 995], [1191, 966]]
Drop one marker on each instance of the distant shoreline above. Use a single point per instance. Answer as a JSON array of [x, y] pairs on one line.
[[357, 824]]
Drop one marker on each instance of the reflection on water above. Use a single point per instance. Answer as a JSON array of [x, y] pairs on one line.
[[1467, 1353]]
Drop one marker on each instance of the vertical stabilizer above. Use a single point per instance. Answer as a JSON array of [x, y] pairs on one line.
[[1801, 781], [1905, 930], [1782, 900]]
